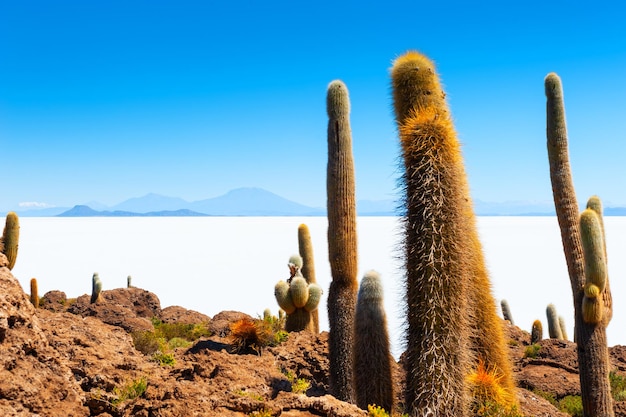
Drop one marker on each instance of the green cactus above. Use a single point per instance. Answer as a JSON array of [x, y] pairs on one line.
[[342, 242], [297, 298], [129, 282], [34, 292], [96, 288], [305, 247], [536, 333], [595, 266], [563, 328], [506, 311], [554, 328], [373, 382], [10, 238], [590, 337]]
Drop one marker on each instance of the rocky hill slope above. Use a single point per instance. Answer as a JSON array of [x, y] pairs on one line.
[[73, 358]]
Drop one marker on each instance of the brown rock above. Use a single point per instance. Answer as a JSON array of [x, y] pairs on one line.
[[177, 314], [54, 301]]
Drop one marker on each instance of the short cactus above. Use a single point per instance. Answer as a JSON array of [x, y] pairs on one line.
[[305, 247], [34, 292], [592, 241], [536, 334], [96, 288], [9, 241], [129, 282], [506, 311], [373, 382], [563, 327], [554, 328]]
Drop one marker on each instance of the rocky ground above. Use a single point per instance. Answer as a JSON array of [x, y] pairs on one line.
[[74, 358]]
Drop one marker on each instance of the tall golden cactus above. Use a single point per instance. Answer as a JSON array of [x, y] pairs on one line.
[[453, 323], [590, 337], [305, 247], [10, 238], [342, 241]]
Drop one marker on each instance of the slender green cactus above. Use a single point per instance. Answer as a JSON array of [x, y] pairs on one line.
[[536, 333], [297, 298], [34, 292], [590, 337], [563, 328], [305, 247], [506, 311], [342, 242], [10, 238], [96, 288], [129, 282], [373, 383], [554, 328]]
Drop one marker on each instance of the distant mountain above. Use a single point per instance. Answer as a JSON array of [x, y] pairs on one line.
[[252, 202], [151, 202], [86, 211], [513, 208]]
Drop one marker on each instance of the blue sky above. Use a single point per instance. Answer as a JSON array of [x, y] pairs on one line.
[[111, 100]]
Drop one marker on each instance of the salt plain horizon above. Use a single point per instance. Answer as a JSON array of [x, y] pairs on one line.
[[212, 264]]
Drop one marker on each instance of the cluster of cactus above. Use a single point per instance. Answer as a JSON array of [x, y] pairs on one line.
[[297, 298], [585, 254], [305, 247], [446, 272], [9, 241], [96, 288]]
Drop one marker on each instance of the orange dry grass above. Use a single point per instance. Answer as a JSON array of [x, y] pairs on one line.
[[249, 334], [486, 388]]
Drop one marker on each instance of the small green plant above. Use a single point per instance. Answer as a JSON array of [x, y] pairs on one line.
[[164, 359], [130, 391], [254, 396], [618, 386], [261, 413], [572, 405], [532, 351], [377, 411], [178, 342], [547, 396], [298, 385]]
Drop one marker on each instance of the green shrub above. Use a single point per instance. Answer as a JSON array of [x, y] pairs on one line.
[[131, 390], [572, 405], [532, 351], [164, 359], [618, 386], [178, 342]]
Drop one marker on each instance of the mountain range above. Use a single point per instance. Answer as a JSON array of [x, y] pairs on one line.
[[259, 202]]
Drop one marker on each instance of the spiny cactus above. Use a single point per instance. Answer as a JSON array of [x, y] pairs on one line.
[[297, 298], [34, 292], [536, 333], [10, 238], [96, 288], [590, 337], [373, 383], [305, 247], [554, 328], [506, 311], [342, 242], [563, 328], [446, 273]]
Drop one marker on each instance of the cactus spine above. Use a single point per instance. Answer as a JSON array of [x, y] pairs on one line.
[[297, 298], [536, 333], [554, 327], [590, 337], [34, 292], [446, 274], [342, 242], [96, 288], [506, 311], [10, 238], [373, 383], [305, 247]]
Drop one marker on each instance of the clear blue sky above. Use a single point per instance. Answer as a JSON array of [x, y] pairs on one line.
[[108, 100]]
